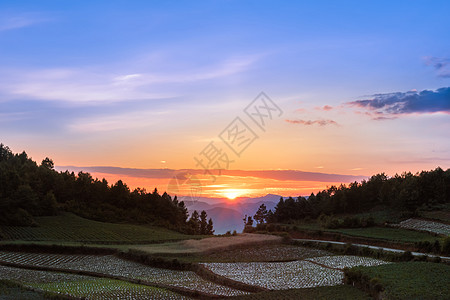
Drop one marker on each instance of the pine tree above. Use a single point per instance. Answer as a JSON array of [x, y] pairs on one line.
[[209, 227], [261, 214], [203, 222], [194, 223]]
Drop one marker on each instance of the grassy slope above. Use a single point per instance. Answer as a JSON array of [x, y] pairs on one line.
[[265, 253], [10, 291], [340, 292], [71, 228], [104, 288], [412, 280], [390, 234], [381, 233]]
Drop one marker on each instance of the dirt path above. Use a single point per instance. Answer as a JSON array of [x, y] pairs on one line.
[[212, 244]]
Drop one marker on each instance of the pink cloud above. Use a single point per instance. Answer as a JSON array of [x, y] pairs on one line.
[[312, 122]]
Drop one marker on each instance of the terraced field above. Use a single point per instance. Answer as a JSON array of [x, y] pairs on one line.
[[337, 292], [111, 265], [311, 268], [312, 272], [424, 225], [107, 289], [84, 286], [278, 275], [346, 261]]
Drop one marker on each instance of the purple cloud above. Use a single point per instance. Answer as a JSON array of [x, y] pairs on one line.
[[441, 65], [393, 104]]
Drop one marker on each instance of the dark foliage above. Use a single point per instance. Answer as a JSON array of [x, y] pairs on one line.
[[28, 189], [402, 193]]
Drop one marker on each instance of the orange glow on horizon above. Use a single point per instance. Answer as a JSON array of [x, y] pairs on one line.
[[231, 194], [228, 187]]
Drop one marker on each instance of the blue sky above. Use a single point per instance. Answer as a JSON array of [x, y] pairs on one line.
[[149, 83]]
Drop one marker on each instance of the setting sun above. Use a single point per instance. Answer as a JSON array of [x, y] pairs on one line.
[[231, 194]]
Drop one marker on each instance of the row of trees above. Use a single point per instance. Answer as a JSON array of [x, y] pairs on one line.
[[28, 189], [402, 193], [200, 224]]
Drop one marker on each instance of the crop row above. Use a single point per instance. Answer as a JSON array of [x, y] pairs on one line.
[[347, 261], [38, 277], [84, 286], [417, 224], [278, 275], [111, 265], [107, 289]]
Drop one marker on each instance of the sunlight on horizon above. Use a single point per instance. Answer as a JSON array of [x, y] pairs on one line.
[[231, 194]]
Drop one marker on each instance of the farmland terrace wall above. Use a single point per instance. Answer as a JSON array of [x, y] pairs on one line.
[[179, 290]]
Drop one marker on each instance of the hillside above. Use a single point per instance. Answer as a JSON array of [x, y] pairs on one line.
[[29, 191], [68, 227]]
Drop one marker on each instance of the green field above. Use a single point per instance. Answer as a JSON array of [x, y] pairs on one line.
[[101, 288], [380, 233], [71, 228], [266, 253], [12, 291], [389, 234], [411, 280], [340, 292]]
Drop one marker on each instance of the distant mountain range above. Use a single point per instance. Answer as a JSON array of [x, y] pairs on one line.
[[229, 214]]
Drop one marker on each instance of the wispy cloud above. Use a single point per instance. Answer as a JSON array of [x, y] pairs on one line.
[[124, 121], [391, 105], [13, 116], [99, 85], [19, 21], [325, 108], [312, 122], [441, 65]]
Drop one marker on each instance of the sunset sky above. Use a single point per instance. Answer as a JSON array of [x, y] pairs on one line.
[[144, 87]]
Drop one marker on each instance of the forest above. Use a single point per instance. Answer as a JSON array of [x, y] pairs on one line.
[[404, 194], [28, 190]]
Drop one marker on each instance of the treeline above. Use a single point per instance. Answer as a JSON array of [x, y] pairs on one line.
[[402, 193], [28, 189]]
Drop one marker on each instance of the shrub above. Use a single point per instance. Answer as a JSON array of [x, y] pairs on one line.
[[406, 256], [446, 246], [375, 284]]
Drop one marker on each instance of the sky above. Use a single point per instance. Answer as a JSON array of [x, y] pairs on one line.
[[156, 89]]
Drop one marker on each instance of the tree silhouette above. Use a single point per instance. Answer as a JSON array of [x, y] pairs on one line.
[[203, 222], [210, 227], [261, 214], [194, 223], [28, 190]]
